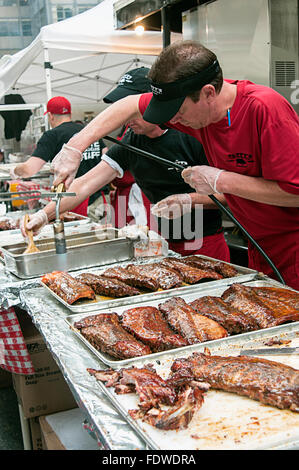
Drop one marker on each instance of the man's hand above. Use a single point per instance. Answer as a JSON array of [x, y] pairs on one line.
[[65, 165], [173, 206], [36, 222], [202, 178], [13, 175]]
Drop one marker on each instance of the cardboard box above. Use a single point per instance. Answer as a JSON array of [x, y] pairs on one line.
[[45, 391], [36, 433], [64, 431]]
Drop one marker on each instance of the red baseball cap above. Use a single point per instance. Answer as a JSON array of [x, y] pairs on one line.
[[58, 105]]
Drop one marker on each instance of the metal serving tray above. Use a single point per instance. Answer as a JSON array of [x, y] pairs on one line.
[[101, 302], [83, 251], [225, 421], [188, 297]]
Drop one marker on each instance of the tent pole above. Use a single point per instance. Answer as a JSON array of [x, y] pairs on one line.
[[47, 66]]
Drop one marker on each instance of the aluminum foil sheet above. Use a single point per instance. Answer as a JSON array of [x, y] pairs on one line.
[[11, 286], [73, 358]]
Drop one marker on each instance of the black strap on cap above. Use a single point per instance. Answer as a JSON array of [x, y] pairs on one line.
[[184, 86]]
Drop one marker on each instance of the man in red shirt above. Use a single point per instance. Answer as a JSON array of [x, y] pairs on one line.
[[250, 135]]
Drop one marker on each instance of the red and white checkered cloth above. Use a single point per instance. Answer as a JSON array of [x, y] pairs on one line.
[[14, 355]]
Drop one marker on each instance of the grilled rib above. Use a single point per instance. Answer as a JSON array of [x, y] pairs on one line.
[[289, 299], [263, 311], [108, 336], [149, 326], [269, 382], [166, 278], [67, 287], [220, 267], [190, 274], [109, 287], [130, 278], [187, 322], [233, 320], [153, 391]]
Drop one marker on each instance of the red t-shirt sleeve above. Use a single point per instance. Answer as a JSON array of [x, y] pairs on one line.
[[280, 150], [144, 101]]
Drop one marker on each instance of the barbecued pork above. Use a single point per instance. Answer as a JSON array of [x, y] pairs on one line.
[[149, 326], [150, 387], [67, 287], [187, 322], [9, 224], [220, 267], [266, 313], [230, 318], [131, 278], [109, 287], [179, 403], [270, 382], [286, 297], [166, 277], [190, 274], [108, 336]]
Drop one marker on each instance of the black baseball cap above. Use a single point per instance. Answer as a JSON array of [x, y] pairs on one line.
[[169, 97], [133, 82]]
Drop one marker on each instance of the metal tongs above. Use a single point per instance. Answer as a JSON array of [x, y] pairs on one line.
[[57, 193]]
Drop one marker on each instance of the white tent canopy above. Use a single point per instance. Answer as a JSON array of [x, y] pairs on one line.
[[86, 58]]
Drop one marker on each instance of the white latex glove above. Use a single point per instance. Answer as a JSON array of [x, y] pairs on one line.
[[202, 178], [13, 175], [173, 206], [36, 222], [65, 165]]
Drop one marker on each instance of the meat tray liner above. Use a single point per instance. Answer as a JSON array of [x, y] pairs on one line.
[[225, 420], [244, 274]]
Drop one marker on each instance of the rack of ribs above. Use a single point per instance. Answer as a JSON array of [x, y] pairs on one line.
[[131, 278], [166, 277], [107, 335], [263, 311], [195, 328], [286, 297], [190, 274], [149, 326], [233, 320], [109, 287], [220, 267], [179, 403], [67, 287], [269, 382]]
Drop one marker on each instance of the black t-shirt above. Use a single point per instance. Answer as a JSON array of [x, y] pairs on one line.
[[158, 181], [52, 141]]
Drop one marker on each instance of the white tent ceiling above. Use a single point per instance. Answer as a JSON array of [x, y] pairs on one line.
[[87, 58]]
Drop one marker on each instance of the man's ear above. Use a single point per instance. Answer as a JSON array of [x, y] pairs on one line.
[[208, 92]]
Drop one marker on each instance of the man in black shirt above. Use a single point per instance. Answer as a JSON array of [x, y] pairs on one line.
[[53, 140], [157, 182]]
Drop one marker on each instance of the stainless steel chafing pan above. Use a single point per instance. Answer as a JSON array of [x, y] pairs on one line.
[[84, 250]]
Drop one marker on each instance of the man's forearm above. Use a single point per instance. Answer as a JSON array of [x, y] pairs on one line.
[[107, 121], [255, 189], [206, 201], [84, 187]]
